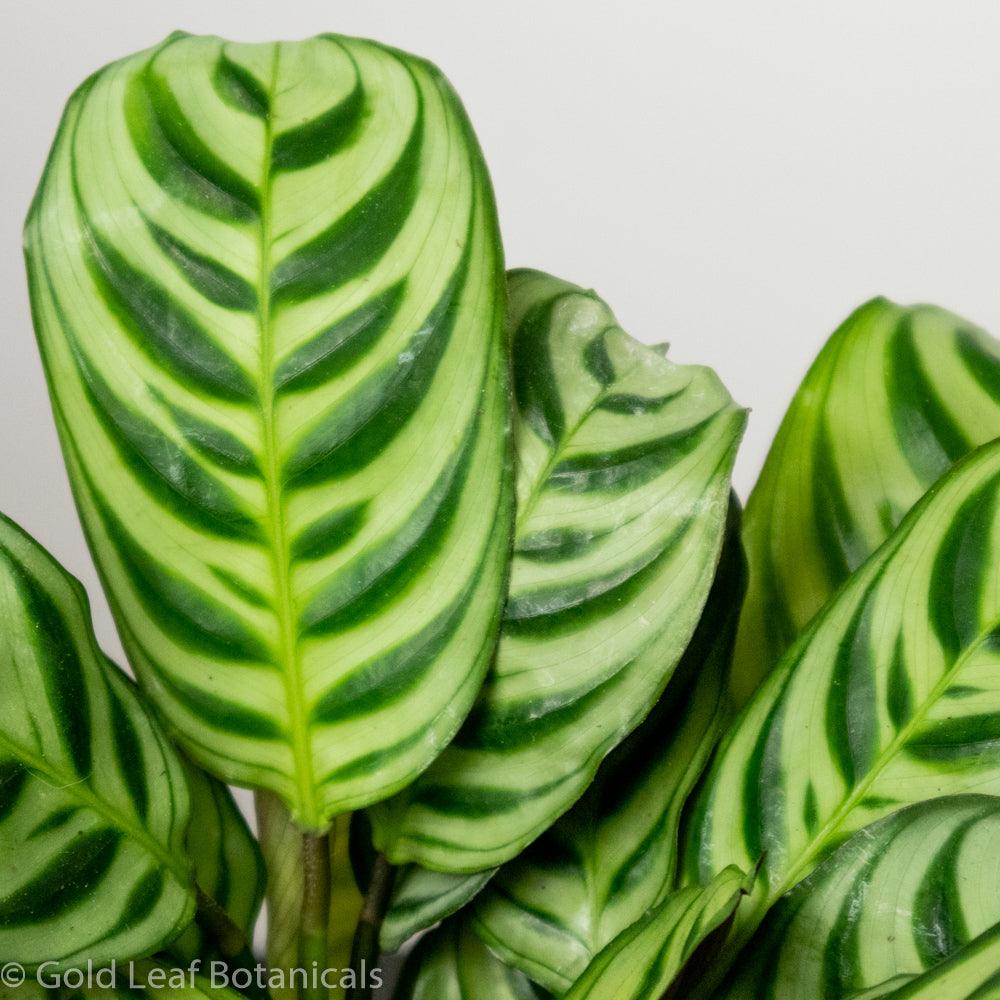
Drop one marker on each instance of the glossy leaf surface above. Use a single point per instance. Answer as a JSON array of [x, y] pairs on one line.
[[896, 396], [899, 898], [891, 697], [93, 801], [614, 855], [268, 289], [623, 480]]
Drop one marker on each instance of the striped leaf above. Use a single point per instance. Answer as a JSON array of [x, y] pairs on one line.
[[649, 959], [281, 841], [267, 285], [422, 898], [972, 973], [623, 478], [891, 697], [613, 856], [900, 897], [228, 865], [93, 801], [453, 964], [894, 398], [153, 980]]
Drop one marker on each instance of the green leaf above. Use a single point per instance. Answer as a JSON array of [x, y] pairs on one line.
[[422, 898], [228, 865], [899, 898], [623, 480], [649, 958], [93, 801], [972, 972], [267, 286], [894, 398], [614, 854], [891, 697], [453, 964], [281, 841], [153, 980]]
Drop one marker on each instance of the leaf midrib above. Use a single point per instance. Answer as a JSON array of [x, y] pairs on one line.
[[884, 759], [277, 529]]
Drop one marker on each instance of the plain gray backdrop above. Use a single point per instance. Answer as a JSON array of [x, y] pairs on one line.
[[734, 177]]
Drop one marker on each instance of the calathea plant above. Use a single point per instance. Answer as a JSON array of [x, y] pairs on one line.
[[446, 568]]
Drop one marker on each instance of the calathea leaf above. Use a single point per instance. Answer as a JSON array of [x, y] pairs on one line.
[[898, 898], [451, 963], [281, 841], [613, 856], [93, 801], [422, 898], [229, 868], [648, 959], [972, 972], [267, 286], [894, 398], [890, 697], [623, 478]]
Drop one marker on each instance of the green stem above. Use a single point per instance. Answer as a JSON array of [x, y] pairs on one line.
[[366, 951], [315, 927]]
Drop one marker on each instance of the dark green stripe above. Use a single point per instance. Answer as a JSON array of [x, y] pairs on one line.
[[210, 440], [632, 405], [71, 876], [13, 781], [191, 617], [851, 720], [357, 240], [165, 469], [207, 276], [61, 667], [899, 696], [982, 363], [324, 136], [351, 435], [536, 387], [130, 755], [373, 581], [939, 927], [598, 362], [341, 345], [972, 739], [961, 570], [558, 544], [54, 821], [928, 435], [240, 89], [175, 170], [330, 532], [627, 468], [156, 323]]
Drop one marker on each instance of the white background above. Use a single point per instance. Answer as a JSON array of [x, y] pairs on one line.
[[733, 177]]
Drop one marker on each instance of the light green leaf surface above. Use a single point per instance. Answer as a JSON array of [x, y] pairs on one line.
[[268, 289], [614, 855], [894, 398], [891, 697], [972, 973], [623, 481], [281, 842], [228, 865], [900, 897], [646, 961], [93, 801], [451, 963]]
